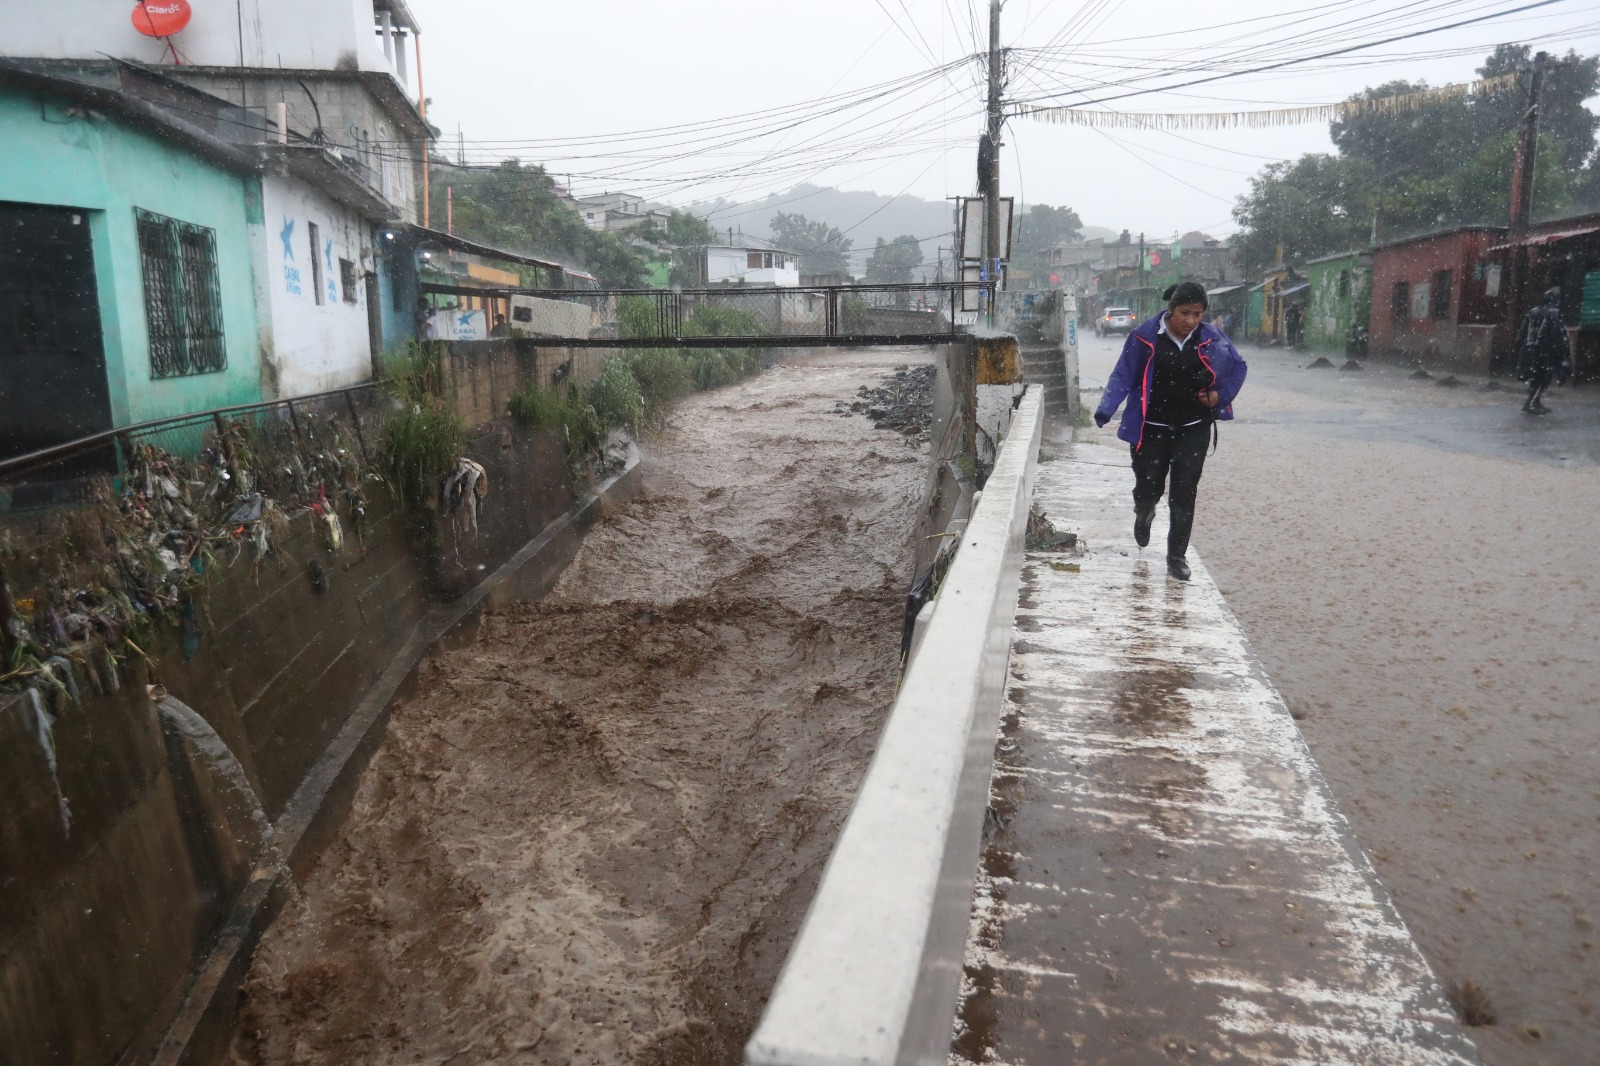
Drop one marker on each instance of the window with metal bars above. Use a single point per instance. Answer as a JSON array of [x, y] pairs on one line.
[[182, 296], [347, 281]]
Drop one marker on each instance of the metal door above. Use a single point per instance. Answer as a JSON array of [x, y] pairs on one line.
[[52, 359]]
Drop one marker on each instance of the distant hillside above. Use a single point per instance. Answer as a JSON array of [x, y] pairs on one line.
[[849, 210], [865, 216]]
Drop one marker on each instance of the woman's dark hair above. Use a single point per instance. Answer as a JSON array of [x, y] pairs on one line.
[[1185, 292]]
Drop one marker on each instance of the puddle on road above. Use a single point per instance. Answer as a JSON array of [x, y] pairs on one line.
[[592, 834]]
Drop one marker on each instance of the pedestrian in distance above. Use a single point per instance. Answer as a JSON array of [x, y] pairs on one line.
[[1179, 376], [1294, 319], [1544, 353]]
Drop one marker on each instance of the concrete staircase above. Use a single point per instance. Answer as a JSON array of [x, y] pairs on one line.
[[1045, 365]]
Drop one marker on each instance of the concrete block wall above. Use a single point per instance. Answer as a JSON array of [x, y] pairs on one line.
[[102, 919], [484, 375], [107, 918]]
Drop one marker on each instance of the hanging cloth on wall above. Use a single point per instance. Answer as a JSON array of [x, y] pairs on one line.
[[464, 491]]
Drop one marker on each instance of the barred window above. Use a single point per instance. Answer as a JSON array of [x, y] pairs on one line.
[[347, 280], [182, 296]]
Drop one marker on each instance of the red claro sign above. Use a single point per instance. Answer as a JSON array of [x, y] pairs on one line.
[[160, 18]]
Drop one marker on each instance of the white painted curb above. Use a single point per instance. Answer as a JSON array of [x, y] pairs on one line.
[[873, 978]]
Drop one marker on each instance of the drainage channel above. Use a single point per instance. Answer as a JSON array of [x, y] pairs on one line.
[[593, 831]]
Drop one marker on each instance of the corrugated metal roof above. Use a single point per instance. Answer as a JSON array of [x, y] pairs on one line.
[[461, 244], [1336, 255], [1548, 238]]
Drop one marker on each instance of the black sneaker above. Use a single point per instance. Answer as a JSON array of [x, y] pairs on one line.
[[1141, 526], [1178, 568]]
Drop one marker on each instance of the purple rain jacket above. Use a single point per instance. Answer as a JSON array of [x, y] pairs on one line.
[[1133, 375]]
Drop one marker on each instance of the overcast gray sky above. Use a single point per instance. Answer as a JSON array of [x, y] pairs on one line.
[[848, 92]]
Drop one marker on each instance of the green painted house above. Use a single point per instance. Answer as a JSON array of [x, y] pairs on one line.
[[127, 291], [1339, 301]]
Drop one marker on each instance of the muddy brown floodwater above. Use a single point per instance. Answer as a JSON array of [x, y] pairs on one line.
[[593, 833]]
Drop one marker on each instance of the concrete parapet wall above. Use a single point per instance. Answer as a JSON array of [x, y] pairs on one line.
[[484, 375], [882, 321], [873, 978]]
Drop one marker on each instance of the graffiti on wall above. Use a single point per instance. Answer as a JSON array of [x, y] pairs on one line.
[[291, 273], [329, 273]]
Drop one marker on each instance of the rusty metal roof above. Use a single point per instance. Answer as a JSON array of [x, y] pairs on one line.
[[1589, 229]]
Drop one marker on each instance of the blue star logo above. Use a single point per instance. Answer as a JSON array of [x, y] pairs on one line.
[[466, 319], [287, 235]]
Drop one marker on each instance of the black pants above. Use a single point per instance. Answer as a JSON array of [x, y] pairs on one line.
[[1182, 454], [1536, 385]]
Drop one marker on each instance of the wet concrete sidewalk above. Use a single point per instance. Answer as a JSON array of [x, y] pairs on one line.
[[1167, 879]]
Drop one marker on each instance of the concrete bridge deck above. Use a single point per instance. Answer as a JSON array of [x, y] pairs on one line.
[[1166, 877]]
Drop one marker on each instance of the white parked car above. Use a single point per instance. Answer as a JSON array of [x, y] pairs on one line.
[[1115, 320]]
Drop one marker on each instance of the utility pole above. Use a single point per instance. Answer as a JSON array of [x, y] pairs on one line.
[[427, 136], [1522, 199], [1143, 309], [1527, 151], [991, 179]]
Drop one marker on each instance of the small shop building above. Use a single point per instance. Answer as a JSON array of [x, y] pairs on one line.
[[1339, 300], [1439, 299]]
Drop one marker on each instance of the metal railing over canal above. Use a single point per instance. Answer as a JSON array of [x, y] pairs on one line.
[[735, 315]]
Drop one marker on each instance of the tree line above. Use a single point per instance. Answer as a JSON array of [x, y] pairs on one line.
[[518, 208], [1394, 175]]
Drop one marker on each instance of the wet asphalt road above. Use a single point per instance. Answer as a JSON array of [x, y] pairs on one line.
[[1383, 403]]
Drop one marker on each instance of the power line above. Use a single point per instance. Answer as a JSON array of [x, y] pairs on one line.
[[1304, 59]]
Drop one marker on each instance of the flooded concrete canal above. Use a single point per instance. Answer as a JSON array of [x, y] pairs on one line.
[[592, 833]]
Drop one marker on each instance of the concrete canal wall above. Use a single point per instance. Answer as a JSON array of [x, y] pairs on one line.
[[874, 975], [134, 883]]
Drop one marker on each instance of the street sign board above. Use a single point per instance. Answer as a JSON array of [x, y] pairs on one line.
[[971, 298], [969, 226]]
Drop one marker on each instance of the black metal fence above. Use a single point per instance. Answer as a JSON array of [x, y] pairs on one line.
[[288, 447], [737, 315]]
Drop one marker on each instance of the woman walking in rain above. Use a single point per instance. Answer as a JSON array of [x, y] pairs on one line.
[[1183, 375]]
